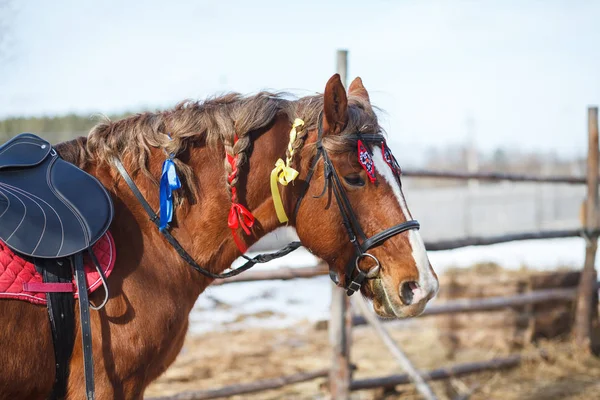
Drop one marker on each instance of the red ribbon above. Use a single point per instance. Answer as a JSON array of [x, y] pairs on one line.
[[240, 216], [238, 242]]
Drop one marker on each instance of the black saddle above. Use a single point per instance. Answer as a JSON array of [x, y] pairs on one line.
[[51, 212], [49, 208]]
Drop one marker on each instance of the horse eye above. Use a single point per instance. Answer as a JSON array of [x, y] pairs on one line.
[[354, 180]]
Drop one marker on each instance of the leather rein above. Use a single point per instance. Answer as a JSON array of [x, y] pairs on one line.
[[355, 233], [259, 259]]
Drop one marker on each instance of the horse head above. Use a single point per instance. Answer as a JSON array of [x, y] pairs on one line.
[[351, 211]]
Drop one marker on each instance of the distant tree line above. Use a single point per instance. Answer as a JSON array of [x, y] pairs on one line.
[[54, 129]]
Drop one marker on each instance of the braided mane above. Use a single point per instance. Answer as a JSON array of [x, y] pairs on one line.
[[217, 120]]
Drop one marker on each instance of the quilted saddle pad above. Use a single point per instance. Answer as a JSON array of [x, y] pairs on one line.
[[15, 272]]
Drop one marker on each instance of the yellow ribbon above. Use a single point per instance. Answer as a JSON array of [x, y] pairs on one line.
[[284, 174]]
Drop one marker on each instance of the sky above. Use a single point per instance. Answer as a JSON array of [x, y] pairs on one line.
[[523, 73]]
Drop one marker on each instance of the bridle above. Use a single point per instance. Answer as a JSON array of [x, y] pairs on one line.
[[354, 276]]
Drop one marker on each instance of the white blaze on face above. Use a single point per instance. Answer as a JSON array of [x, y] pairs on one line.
[[427, 281]]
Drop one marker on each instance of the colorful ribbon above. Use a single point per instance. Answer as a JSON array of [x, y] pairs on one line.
[[240, 216], [284, 174], [390, 159], [169, 181], [366, 161]]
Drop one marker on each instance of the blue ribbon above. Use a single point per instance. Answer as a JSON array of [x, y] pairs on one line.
[[169, 181]]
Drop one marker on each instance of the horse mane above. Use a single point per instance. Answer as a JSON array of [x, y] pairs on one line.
[[215, 120]]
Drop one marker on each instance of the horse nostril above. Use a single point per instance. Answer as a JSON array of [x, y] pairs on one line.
[[407, 292]]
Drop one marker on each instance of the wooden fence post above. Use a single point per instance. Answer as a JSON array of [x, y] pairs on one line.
[[586, 317], [340, 326]]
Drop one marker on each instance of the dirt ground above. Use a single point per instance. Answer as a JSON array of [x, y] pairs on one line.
[[552, 370]]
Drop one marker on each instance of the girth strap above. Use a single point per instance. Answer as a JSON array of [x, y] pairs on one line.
[[60, 304], [86, 329], [62, 319]]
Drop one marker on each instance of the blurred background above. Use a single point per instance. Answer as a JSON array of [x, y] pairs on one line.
[[494, 86]]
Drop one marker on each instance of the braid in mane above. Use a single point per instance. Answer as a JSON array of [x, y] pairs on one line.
[[301, 136], [230, 164], [239, 215]]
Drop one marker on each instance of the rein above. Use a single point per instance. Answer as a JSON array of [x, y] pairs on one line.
[[259, 259]]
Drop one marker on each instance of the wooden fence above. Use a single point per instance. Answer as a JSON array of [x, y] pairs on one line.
[[341, 320]]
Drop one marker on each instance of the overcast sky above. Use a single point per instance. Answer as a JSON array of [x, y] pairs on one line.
[[523, 71]]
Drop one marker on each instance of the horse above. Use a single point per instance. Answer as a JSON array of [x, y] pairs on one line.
[[224, 150]]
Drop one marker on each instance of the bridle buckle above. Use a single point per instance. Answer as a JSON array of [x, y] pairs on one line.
[[352, 288]]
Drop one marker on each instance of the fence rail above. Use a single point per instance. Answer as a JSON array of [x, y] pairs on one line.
[[483, 304], [494, 176], [287, 273], [489, 240], [440, 373], [246, 388], [284, 273], [490, 303]]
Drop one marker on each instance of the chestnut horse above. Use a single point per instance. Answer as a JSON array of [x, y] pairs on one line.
[[224, 150]]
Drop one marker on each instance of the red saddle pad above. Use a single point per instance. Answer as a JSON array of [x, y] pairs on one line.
[[15, 271]]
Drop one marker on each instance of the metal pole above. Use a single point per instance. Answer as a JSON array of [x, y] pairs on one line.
[[340, 326]]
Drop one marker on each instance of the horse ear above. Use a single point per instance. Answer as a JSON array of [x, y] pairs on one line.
[[357, 89], [335, 104]]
